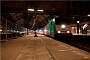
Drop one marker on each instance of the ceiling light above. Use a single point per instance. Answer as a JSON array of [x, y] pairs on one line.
[[40, 10], [30, 9]]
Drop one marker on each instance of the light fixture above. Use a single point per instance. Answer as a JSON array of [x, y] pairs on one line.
[[68, 31], [88, 15], [30, 9], [77, 21], [14, 31], [54, 19], [40, 10], [7, 30], [0, 30]]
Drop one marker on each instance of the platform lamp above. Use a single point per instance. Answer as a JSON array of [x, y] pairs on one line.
[[78, 27]]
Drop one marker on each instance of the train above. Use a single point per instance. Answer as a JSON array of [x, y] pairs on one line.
[[56, 27]]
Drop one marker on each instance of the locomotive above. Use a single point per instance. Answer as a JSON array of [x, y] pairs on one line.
[[56, 26]]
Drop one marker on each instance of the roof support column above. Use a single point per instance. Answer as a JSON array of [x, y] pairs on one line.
[[16, 30], [6, 30], [27, 32]]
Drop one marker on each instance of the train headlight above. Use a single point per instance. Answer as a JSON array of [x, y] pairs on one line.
[[63, 26], [58, 31]]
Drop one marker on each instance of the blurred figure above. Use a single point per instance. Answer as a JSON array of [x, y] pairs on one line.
[[35, 34]]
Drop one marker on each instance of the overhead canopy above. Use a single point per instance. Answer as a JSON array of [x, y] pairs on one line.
[[17, 11]]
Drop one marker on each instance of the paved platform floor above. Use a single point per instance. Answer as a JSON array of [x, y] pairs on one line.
[[40, 48]]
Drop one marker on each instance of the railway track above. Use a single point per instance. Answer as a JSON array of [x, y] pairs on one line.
[[79, 41]]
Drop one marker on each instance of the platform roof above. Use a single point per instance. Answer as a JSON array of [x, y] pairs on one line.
[[17, 11]]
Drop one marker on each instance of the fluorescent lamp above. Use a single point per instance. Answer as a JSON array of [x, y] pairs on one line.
[[40, 10], [30, 9]]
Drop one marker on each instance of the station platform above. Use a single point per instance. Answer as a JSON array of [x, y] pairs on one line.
[[29, 47]]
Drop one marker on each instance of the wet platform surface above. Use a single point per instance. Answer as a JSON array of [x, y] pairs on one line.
[[40, 48]]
